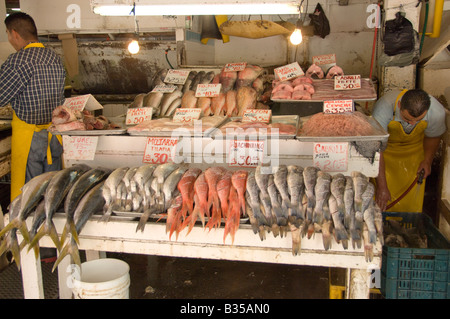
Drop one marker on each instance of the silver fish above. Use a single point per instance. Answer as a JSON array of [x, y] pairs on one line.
[[369, 220], [161, 172], [170, 184], [360, 182], [110, 190], [55, 193], [340, 232], [188, 82], [197, 79], [378, 220], [138, 101], [262, 180], [91, 203], [337, 188], [296, 239], [257, 226], [368, 246], [326, 228], [11, 242], [280, 179], [309, 179], [252, 190], [277, 213], [140, 177], [168, 99], [153, 99], [209, 76], [367, 196], [322, 192], [83, 184], [350, 215], [295, 188], [173, 106]]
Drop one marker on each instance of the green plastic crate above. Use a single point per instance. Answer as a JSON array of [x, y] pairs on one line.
[[416, 273]]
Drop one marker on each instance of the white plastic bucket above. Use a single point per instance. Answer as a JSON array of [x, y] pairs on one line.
[[105, 278]]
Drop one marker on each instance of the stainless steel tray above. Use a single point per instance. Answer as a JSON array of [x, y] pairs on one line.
[[286, 119], [325, 91], [379, 134], [92, 132], [182, 132]]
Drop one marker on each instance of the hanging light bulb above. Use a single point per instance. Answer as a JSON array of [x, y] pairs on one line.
[[296, 37], [133, 47]]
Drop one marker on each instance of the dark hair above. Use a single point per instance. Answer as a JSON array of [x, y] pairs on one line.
[[23, 24], [416, 102]]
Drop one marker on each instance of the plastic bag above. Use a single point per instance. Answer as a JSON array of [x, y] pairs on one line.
[[402, 59], [320, 22], [398, 36]]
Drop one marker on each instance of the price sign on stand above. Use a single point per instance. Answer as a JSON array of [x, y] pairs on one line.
[[138, 115], [208, 90], [325, 61], [338, 106], [79, 147], [347, 82], [254, 115], [331, 157], [230, 67], [81, 102], [164, 88], [244, 153], [176, 76], [186, 115], [160, 150], [288, 72]]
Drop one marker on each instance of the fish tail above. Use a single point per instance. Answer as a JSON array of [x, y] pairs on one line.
[[15, 251], [3, 247], [262, 233], [24, 231], [40, 233], [310, 231], [345, 243], [296, 239], [107, 214], [372, 236], [347, 220], [192, 218], [275, 230], [326, 238], [54, 235], [63, 253], [143, 220], [341, 234], [12, 224], [304, 228], [368, 252]]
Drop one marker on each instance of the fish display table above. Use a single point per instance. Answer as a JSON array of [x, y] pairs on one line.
[[119, 235]]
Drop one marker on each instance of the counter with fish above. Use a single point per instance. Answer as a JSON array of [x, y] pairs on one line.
[[181, 210]]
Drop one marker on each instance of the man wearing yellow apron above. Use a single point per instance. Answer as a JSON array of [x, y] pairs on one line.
[[32, 80], [415, 122]]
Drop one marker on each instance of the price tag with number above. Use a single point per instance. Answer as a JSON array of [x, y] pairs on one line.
[[164, 88], [186, 115], [338, 106], [80, 147], [254, 115], [289, 71], [229, 67], [347, 82], [176, 76], [208, 90], [331, 157], [325, 61], [160, 150], [138, 115], [244, 153]]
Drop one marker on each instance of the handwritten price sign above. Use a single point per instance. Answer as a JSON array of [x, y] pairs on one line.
[[186, 115], [347, 82], [253, 115], [331, 157], [208, 90], [229, 67], [289, 71], [80, 147], [338, 106], [324, 61], [160, 150], [245, 153], [164, 88], [138, 115], [176, 76], [79, 103]]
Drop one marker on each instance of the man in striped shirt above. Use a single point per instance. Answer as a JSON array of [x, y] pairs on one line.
[[32, 80]]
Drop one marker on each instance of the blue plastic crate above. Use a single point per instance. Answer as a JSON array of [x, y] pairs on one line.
[[416, 273]]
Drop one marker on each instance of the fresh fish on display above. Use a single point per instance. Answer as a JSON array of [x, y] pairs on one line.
[[378, 220], [127, 181], [246, 77], [360, 182], [262, 180], [227, 79], [279, 221], [170, 184], [84, 183], [246, 97], [296, 187], [230, 102], [153, 99], [201, 207], [187, 84], [337, 188], [140, 177], [218, 104], [327, 230], [322, 192], [207, 78], [189, 100], [296, 239], [223, 191], [253, 201], [168, 99], [204, 104], [10, 242], [160, 174], [173, 106], [233, 215], [339, 228], [280, 180], [368, 246], [368, 196], [309, 179], [138, 101], [350, 216], [38, 219], [213, 175], [369, 220], [110, 190], [173, 213], [91, 203], [56, 191], [239, 181], [197, 79], [186, 189]]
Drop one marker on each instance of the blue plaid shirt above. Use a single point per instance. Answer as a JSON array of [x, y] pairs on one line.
[[32, 80]]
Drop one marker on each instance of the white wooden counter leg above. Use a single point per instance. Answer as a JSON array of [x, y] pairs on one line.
[[33, 287], [359, 284]]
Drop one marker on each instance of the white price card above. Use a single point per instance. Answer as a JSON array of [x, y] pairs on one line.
[[176, 76], [244, 153], [230, 67], [331, 157], [164, 88], [138, 115], [208, 90], [183, 115], [160, 150], [347, 82], [81, 102], [325, 61], [255, 115], [288, 72], [338, 106], [79, 147]]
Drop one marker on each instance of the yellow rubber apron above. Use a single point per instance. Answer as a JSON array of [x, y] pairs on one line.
[[22, 135], [402, 157]]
